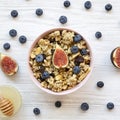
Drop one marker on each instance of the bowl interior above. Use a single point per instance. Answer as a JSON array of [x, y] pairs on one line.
[[66, 91]]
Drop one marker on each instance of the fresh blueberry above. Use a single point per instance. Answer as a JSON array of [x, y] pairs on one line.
[[76, 70], [66, 3], [78, 60], [84, 106], [110, 105], [22, 39], [98, 34], [36, 111], [14, 13], [58, 104], [13, 33], [100, 84], [77, 38], [83, 51], [39, 58], [74, 49], [63, 19], [39, 12], [45, 75], [6, 46], [108, 7], [87, 4]]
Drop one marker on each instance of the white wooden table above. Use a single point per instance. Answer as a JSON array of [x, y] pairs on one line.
[[86, 23]]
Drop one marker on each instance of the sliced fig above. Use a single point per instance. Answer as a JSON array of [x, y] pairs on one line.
[[115, 57], [8, 65], [60, 58]]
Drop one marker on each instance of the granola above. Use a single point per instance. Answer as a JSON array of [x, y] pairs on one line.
[[64, 78]]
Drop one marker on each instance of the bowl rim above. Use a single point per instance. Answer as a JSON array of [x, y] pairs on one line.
[[66, 91]]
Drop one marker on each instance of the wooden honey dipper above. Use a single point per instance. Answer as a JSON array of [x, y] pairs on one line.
[[6, 106]]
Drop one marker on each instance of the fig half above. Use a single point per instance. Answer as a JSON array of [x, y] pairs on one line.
[[115, 57], [60, 58], [8, 65]]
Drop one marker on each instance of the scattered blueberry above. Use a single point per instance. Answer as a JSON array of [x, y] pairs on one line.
[[42, 68], [45, 75], [74, 49], [76, 70], [39, 12], [13, 33], [108, 7], [83, 51], [110, 105], [87, 4], [66, 3], [84, 106], [98, 34], [63, 19], [100, 84], [77, 38], [39, 58], [22, 39], [58, 104], [14, 13], [6, 46], [78, 60], [36, 111]]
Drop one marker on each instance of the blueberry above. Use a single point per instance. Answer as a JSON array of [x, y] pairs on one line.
[[78, 60], [13, 33], [22, 39], [63, 19], [76, 70], [45, 75], [66, 3], [83, 51], [108, 7], [42, 68], [58, 104], [14, 13], [77, 38], [110, 105], [39, 12], [74, 49], [36, 111], [98, 34], [100, 84], [84, 106], [6, 46], [87, 4], [39, 58]]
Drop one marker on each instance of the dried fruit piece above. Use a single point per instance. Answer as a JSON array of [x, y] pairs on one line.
[[8, 65], [60, 58], [115, 57]]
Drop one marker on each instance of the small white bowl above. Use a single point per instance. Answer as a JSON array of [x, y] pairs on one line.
[[66, 91]]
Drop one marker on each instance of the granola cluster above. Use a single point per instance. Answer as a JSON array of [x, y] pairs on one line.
[[61, 79]]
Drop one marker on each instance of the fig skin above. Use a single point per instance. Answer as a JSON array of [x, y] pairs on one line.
[[112, 57], [61, 58], [15, 69]]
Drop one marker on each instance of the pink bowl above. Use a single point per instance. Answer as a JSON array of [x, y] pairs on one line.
[[66, 91]]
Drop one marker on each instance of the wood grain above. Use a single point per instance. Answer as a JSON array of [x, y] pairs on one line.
[[86, 23]]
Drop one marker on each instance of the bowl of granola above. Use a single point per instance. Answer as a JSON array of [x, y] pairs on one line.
[[60, 61]]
